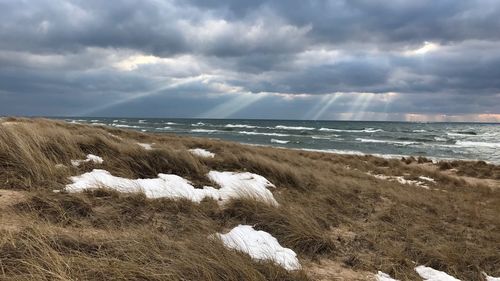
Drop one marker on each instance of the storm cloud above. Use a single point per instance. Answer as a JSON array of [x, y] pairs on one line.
[[386, 60]]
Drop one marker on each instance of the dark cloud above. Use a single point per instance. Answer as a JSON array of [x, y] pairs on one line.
[[184, 58]]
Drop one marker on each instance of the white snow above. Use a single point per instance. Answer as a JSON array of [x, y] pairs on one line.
[[200, 152], [90, 158], [238, 185], [233, 185], [384, 277], [259, 245], [146, 146], [427, 179], [401, 180], [489, 278], [430, 274], [166, 185]]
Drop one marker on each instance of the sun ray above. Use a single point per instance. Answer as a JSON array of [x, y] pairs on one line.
[[326, 104], [234, 105], [360, 111]]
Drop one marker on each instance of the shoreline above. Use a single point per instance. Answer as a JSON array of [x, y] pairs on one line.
[[465, 144]]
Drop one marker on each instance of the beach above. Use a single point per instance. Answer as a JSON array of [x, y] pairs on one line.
[[87, 200]]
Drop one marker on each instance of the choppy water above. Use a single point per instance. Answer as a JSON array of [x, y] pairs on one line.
[[393, 139]]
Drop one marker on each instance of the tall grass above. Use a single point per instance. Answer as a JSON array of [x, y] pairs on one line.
[[330, 209]]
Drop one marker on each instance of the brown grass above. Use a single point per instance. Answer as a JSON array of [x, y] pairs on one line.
[[477, 169], [331, 211]]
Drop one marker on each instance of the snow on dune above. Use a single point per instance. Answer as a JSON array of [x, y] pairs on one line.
[[233, 185], [146, 146], [259, 245], [384, 277], [490, 278], [168, 186], [200, 152], [90, 158], [427, 179], [237, 185], [402, 180], [430, 274]]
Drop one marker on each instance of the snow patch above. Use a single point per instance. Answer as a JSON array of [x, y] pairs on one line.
[[489, 278], [243, 185], [146, 146], [430, 274], [165, 186], [200, 152], [427, 179], [384, 277], [259, 245], [233, 185], [90, 158], [401, 180]]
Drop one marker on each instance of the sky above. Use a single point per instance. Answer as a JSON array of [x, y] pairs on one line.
[[426, 60]]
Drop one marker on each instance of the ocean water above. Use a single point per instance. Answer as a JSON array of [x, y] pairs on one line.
[[467, 141]]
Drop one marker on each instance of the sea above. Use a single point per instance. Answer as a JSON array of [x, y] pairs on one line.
[[438, 141]]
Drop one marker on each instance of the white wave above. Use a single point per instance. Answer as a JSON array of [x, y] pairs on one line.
[[336, 151], [440, 139], [171, 123], [198, 124], [203, 131], [320, 138], [387, 141], [263, 134], [279, 141], [240, 126], [75, 120], [142, 121], [461, 134], [124, 126], [371, 130], [281, 127], [164, 128], [366, 130], [331, 130], [478, 143], [419, 131]]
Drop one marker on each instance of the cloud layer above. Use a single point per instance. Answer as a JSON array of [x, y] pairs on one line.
[[356, 59]]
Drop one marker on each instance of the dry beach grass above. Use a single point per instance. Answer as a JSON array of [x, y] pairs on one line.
[[331, 211]]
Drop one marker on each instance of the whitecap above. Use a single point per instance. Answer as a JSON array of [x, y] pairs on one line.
[[281, 127]]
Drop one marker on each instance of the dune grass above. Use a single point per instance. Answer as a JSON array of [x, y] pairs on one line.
[[330, 209]]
